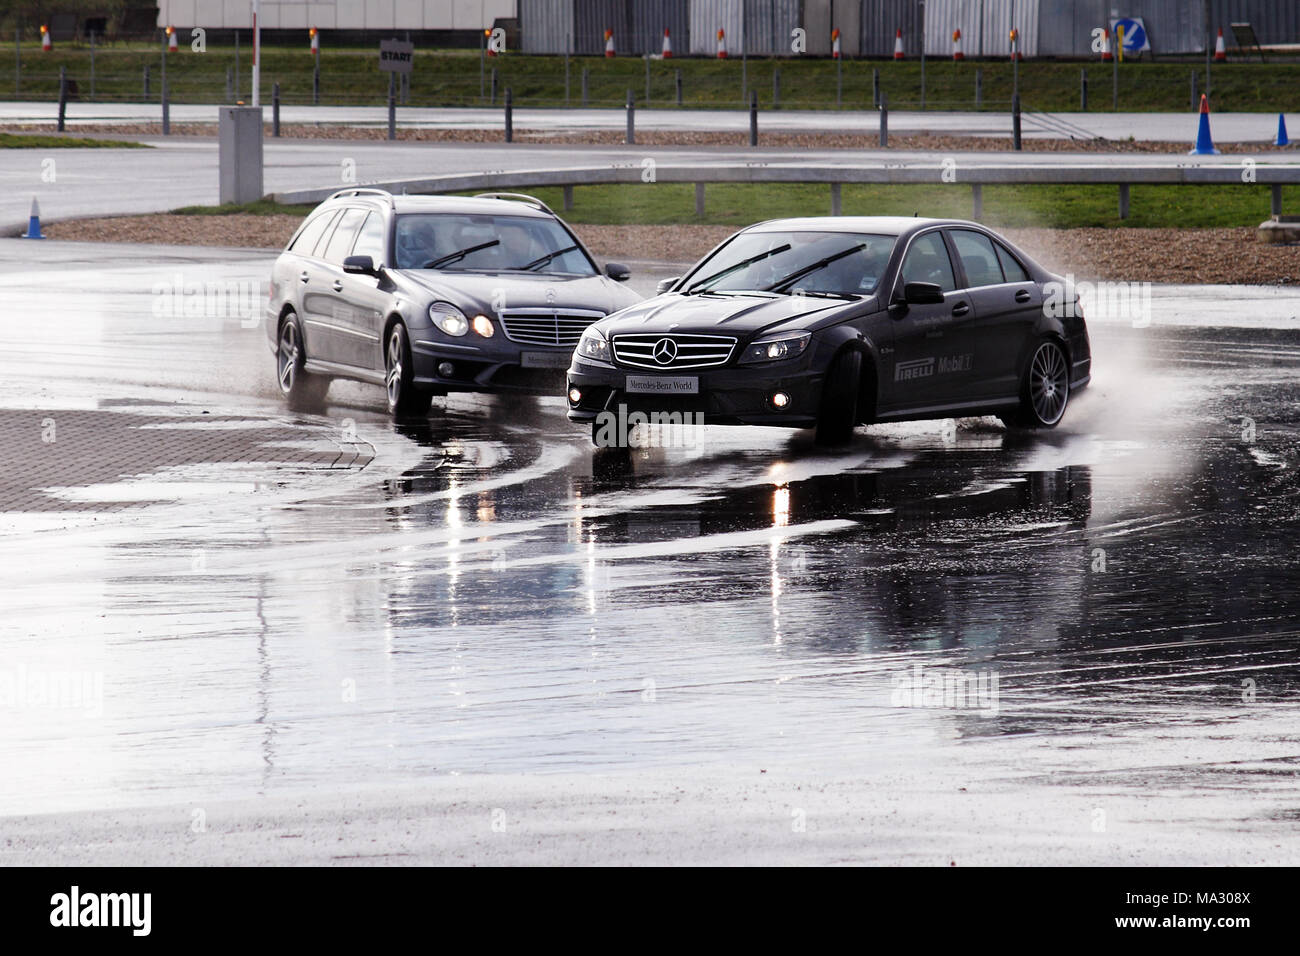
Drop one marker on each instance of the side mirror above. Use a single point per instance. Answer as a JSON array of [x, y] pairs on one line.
[[360, 265], [617, 271], [666, 284], [922, 293]]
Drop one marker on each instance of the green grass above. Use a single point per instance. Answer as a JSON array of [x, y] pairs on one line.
[[1060, 207], [48, 141], [261, 207], [452, 78]]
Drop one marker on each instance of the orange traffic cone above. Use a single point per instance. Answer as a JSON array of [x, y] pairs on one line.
[[668, 45], [1106, 55], [1220, 51], [835, 43], [956, 46], [171, 39], [1015, 44], [46, 44], [609, 43], [722, 44], [315, 40], [898, 44]]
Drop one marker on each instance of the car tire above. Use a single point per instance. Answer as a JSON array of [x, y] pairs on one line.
[[839, 408], [1044, 389], [300, 388], [404, 399]]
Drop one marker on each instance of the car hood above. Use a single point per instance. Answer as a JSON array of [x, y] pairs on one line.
[[473, 292], [740, 314]]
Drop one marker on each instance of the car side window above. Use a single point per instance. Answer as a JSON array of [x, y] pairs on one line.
[[344, 235], [1012, 269], [977, 257], [305, 244], [371, 240], [927, 261]]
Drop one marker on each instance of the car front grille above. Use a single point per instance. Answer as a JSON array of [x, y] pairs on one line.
[[673, 351], [544, 327]]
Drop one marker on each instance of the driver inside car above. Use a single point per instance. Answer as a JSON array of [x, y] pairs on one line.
[[416, 244]]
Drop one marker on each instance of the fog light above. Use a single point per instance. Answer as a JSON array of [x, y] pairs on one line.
[[575, 396], [780, 399], [446, 369]]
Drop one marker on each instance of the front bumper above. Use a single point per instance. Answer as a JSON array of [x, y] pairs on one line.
[[730, 395], [503, 367]]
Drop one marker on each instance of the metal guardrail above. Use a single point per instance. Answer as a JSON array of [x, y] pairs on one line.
[[973, 175]]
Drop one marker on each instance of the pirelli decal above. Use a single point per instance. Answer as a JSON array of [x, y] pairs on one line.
[[926, 367]]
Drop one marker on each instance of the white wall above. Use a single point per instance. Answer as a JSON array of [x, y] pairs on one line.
[[337, 14]]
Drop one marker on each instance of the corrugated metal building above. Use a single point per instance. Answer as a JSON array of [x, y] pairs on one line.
[[867, 27], [340, 15]]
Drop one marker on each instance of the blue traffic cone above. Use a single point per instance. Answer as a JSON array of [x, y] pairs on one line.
[[1281, 139], [34, 222], [1204, 145]]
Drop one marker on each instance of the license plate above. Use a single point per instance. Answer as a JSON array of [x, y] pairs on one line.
[[663, 384], [545, 359]]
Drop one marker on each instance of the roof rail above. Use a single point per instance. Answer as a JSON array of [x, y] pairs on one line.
[[519, 197], [363, 191]]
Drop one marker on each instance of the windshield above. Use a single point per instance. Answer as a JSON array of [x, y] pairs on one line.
[[792, 263], [472, 243]]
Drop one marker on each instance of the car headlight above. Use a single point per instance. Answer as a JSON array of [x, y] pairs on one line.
[[449, 319], [777, 348], [482, 325], [593, 345]]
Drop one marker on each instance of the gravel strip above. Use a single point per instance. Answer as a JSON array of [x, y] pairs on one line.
[[777, 139], [1139, 255]]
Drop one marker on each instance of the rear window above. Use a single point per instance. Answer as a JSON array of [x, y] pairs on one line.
[[305, 243]]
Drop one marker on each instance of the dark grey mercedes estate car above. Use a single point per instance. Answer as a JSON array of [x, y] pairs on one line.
[[839, 321], [427, 295]]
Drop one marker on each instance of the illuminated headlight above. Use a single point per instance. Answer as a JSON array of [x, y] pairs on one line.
[[483, 326], [779, 347], [593, 345], [449, 319]]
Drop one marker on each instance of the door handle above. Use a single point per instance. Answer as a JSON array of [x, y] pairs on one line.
[[338, 285], [960, 309], [1022, 295], [302, 276]]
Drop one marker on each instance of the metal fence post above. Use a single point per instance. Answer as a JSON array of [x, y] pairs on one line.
[[92, 64], [392, 107], [884, 123], [63, 96], [679, 87], [315, 81], [776, 88], [275, 110], [1083, 90], [753, 118], [510, 115], [699, 200], [979, 87], [166, 110], [839, 80], [146, 81], [1123, 200], [835, 199], [977, 201], [631, 120], [1015, 121]]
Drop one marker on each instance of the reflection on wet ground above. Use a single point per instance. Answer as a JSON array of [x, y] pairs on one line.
[[506, 600]]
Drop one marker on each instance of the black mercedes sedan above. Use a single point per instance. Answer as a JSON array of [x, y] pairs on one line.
[[427, 295], [835, 322]]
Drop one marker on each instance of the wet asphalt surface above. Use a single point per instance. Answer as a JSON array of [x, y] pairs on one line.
[[488, 596]]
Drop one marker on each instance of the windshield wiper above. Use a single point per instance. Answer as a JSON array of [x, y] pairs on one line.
[[453, 256], [821, 294], [739, 265], [819, 264], [547, 258]]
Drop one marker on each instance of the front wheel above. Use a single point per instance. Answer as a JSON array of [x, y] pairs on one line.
[[1046, 388], [301, 389], [839, 409], [404, 399]]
